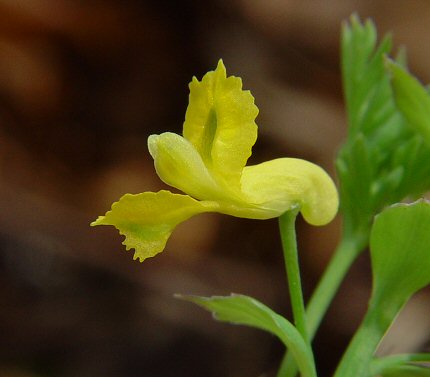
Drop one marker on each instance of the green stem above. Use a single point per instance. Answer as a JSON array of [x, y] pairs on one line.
[[289, 244], [344, 256], [359, 354]]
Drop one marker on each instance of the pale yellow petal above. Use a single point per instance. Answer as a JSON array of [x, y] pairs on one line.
[[179, 164], [220, 123], [279, 185], [147, 220]]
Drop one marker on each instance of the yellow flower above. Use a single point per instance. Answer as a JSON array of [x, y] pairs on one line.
[[208, 163]]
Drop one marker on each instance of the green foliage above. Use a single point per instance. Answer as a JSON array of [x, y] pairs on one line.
[[407, 371], [399, 248], [244, 310], [384, 159], [412, 99], [400, 252], [405, 365]]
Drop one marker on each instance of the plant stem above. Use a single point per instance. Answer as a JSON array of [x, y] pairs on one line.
[[289, 244], [357, 359], [344, 256]]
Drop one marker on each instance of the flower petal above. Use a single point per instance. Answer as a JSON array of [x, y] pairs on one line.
[[147, 220], [220, 123], [279, 185], [179, 165]]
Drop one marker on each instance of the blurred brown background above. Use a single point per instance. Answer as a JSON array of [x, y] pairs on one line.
[[82, 85]]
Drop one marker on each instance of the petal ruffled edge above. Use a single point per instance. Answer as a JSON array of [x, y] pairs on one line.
[[220, 123], [148, 219]]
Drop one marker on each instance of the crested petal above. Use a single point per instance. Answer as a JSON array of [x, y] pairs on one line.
[[147, 220], [279, 185], [220, 123]]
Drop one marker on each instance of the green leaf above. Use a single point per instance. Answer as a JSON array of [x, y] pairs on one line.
[[363, 72], [384, 158], [400, 252], [406, 365], [407, 371], [370, 110], [244, 310], [400, 255], [412, 99]]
